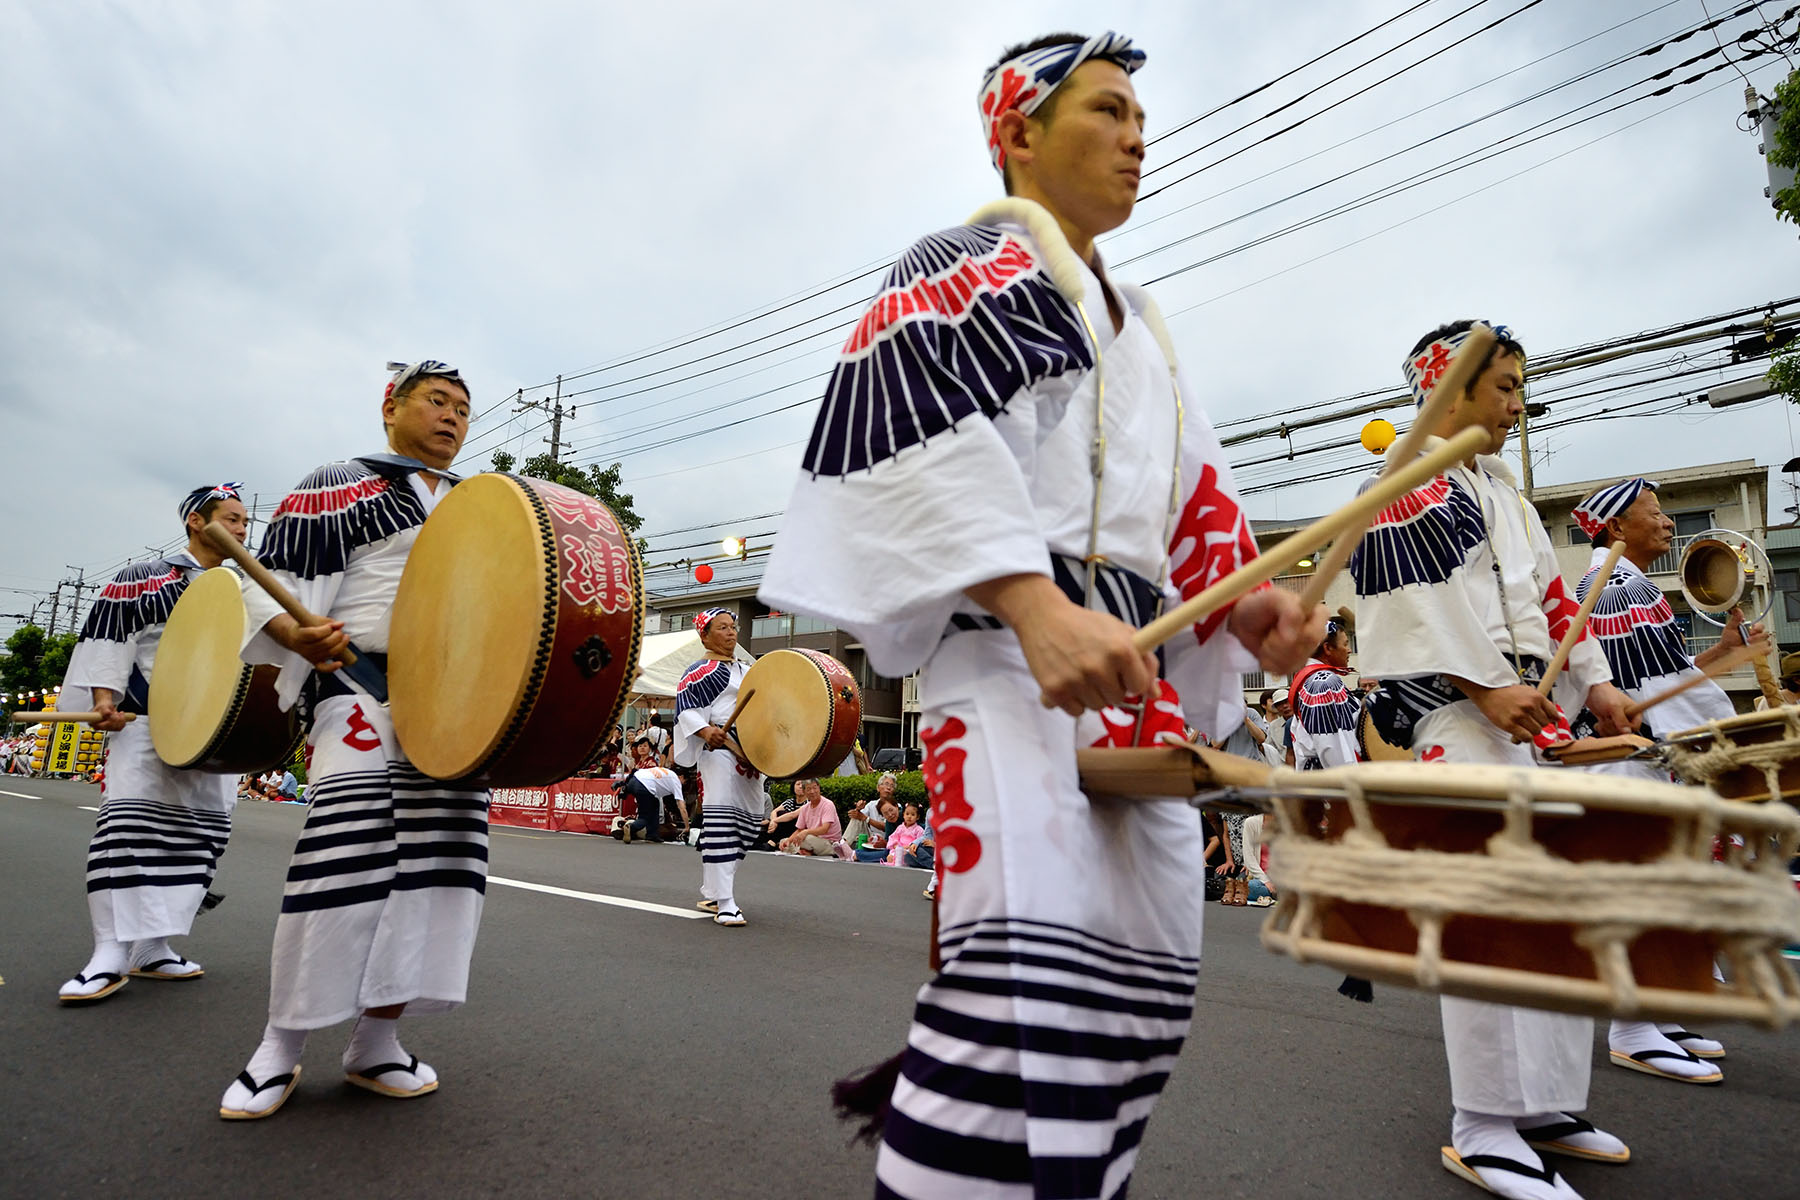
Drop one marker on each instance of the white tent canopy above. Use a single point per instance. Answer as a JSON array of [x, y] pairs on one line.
[[665, 656]]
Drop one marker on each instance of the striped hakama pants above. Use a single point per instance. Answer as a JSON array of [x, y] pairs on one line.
[[731, 818], [156, 843], [1070, 939], [385, 889]]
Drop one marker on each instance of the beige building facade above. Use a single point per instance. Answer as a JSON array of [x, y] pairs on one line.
[[1729, 495]]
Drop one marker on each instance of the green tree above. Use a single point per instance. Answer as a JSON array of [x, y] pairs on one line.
[[1784, 373], [56, 658], [1784, 148], [22, 667], [602, 483]]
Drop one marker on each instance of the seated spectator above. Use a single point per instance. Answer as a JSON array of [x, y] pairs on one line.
[[817, 830], [857, 831], [288, 788], [784, 813], [883, 815], [905, 840], [924, 852]]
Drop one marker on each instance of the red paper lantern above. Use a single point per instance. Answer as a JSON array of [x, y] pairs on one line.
[[703, 573]]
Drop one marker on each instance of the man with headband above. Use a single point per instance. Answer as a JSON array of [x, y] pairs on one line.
[[731, 800], [160, 830], [384, 891], [1008, 477], [1460, 606], [1648, 655]]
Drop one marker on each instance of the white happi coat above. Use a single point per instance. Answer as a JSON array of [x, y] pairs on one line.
[[1428, 604], [385, 888], [731, 799], [953, 447], [160, 829], [1325, 715], [1648, 655]]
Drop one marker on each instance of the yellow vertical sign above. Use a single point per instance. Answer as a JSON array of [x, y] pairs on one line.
[[65, 740]]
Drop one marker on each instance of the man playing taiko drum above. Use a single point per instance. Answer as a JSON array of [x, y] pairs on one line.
[[1461, 606], [385, 888], [1648, 655], [990, 517]]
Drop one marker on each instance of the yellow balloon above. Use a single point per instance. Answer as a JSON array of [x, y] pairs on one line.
[[1377, 436]]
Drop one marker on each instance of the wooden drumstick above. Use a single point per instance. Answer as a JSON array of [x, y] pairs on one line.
[[1454, 382], [1297, 546], [50, 718], [261, 576], [1579, 624], [1727, 663]]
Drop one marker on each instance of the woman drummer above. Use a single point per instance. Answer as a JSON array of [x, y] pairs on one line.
[[732, 796]]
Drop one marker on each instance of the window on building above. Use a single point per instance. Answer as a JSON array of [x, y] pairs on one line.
[[1687, 524], [1787, 582], [1578, 538]]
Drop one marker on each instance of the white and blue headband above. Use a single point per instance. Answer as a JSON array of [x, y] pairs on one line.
[[1026, 80]]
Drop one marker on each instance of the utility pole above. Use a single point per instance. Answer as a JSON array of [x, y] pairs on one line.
[[80, 585], [554, 407], [55, 608], [1530, 410]]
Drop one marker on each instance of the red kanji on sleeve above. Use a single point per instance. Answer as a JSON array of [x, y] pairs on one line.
[[1212, 539], [1560, 609]]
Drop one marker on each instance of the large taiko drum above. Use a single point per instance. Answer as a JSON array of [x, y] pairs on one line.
[[1563, 890], [1752, 756], [803, 716], [515, 633], [209, 710]]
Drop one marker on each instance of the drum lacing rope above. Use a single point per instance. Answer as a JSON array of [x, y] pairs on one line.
[[1610, 903], [1750, 906], [1705, 766]]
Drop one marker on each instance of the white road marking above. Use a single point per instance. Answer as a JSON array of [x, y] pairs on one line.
[[20, 795], [88, 807], [597, 898]]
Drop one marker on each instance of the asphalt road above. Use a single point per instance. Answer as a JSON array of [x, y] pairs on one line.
[[620, 1052]]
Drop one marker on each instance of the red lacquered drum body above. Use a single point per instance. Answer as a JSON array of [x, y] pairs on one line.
[[804, 716], [516, 632]]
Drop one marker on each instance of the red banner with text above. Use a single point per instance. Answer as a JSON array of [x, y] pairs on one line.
[[572, 806]]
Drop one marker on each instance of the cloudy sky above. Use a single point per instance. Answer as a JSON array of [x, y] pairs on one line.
[[218, 221]]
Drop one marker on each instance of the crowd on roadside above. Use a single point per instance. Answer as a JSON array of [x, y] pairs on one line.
[[278, 785]]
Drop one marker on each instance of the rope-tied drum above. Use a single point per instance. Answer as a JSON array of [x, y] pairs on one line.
[[1545, 888]]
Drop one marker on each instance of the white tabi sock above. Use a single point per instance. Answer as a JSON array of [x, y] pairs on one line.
[[1474, 1135], [1595, 1143], [110, 958], [278, 1055], [1693, 1043], [1628, 1039], [156, 950], [375, 1043]]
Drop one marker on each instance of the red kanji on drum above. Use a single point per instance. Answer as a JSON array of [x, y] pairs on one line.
[[575, 509], [958, 847], [596, 571]]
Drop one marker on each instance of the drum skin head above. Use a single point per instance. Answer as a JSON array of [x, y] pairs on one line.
[[465, 626], [790, 721], [198, 682]]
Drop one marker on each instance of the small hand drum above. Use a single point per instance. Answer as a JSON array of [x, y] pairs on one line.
[[210, 710], [803, 717], [516, 631], [1752, 756], [1582, 893]]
